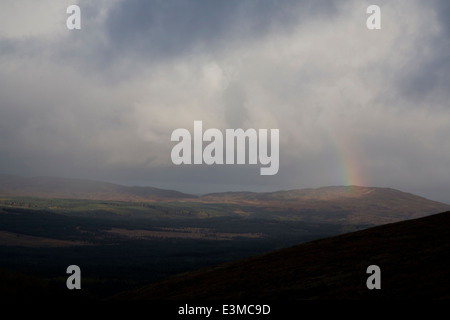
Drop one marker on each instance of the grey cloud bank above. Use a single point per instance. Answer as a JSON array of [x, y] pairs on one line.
[[354, 106]]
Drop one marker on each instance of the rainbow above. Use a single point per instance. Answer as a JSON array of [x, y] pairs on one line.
[[349, 161]]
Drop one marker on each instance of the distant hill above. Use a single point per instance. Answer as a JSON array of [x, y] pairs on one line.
[[413, 257], [346, 205], [52, 187]]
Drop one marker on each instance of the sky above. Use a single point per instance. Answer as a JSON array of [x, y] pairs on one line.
[[353, 106]]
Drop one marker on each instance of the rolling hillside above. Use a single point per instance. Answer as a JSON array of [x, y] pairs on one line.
[[53, 187], [346, 205]]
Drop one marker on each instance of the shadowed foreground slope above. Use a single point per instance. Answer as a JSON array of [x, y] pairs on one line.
[[414, 257]]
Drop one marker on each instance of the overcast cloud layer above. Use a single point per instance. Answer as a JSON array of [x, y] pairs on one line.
[[353, 105]]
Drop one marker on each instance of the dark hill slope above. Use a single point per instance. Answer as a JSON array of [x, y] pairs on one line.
[[414, 257], [15, 287]]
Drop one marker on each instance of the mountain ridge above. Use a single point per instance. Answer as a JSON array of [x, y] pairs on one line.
[[56, 187], [20, 184], [335, 204]]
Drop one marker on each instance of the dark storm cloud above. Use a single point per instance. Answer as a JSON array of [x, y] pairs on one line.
[[6, 46], [442, 8], [151, 31], [426, 75], [429, 80], [168, 27]]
